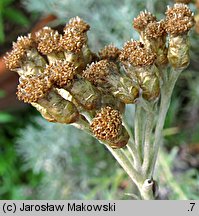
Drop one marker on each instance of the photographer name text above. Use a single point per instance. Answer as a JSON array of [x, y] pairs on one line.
[[68, 207]]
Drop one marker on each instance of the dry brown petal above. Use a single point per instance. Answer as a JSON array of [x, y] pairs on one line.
[[136, 54], [107, 124]]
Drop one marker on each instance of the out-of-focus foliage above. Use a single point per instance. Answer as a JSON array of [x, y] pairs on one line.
[[15, 183], [110, 21], [75, 166], [11, 14]]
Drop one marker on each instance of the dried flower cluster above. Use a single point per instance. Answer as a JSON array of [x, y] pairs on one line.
[[68, 83]]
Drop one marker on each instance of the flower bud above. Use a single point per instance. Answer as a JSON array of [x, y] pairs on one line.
[[105, 75], [110, 53], [61, 73], [178, 52], [48, 43], [38, 91], [107, 126], [24, 58], [155, 39], [74, 43], [77, 23], [64, 75], [85, 94], [179, 20], [139, 64], [148, 80], [62, 110], [142, 20]]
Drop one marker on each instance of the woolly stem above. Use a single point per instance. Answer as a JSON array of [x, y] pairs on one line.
[[148, 145], [138, 130], [132, 148], [166, 92]]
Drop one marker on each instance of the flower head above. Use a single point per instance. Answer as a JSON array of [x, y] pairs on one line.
[[109, 52], [179, 19], [155, 30], [77, 23], [61, 72], [31, 89], [48, 41], [73, 40], [98, 72], [142, 20], [136, 54], [15, 58], [107, 124]]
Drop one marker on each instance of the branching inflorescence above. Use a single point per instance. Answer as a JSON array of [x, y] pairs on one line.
[[68, 83]]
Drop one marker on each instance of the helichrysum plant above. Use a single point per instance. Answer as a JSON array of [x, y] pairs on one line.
[[69, 84]]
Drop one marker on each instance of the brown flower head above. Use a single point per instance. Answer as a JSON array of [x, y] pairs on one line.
[[97, 72], [155, 30], [77, 23], [15, 58], [110, 52], [183, 1], [48, 41], [136, 54], [107, 124], [61, 72], [33, 88], [142, 20], [179, 19], [73, 40]]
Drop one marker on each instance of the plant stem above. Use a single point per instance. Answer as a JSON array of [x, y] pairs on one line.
[[166, 92], [138, 130], [125, 164], [131, 147], [148, 145], [144, 186]]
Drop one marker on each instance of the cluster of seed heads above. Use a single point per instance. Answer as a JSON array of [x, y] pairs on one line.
[[64, 79]]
